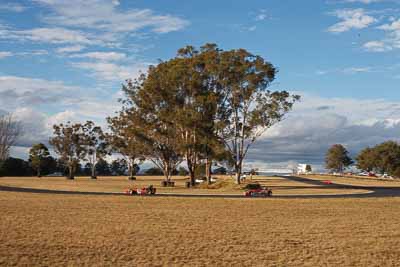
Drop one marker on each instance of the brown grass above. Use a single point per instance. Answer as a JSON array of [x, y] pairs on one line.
[[224, 185], [357, 180], [52, 230]]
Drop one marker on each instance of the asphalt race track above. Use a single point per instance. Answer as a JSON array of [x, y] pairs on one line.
[[375, 191]]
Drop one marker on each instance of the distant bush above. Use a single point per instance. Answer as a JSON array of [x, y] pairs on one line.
[[154, 171], [15, 167]]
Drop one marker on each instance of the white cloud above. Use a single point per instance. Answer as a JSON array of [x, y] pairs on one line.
[[48, 35], [354, 70], [376, 46], [261, 15], [13, 7], [70, 49], [351, 19], [316, 123], [107, 71], [394, 26], [390, 42], [103, 56], [34, 126], [105, 15], [21, 91], [348, 70], [5, 54]]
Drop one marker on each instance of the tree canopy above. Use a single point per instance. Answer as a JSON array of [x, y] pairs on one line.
[[203, 103], [38, 155], [337, 158]]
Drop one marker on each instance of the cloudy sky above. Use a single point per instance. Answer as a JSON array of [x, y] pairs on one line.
[[65, 60]]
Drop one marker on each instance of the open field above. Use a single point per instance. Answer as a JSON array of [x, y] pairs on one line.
[[356, 180], [280, 186], [43, 229]]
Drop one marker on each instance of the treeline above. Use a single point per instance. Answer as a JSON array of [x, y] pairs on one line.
[[382, 159], [202, 107], [51, 166]]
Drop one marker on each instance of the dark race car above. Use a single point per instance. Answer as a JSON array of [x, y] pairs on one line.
[[256, 190]]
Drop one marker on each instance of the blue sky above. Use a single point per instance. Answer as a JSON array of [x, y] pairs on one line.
[[65, 60]]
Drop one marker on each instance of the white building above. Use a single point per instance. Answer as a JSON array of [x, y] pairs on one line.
[[302, 168]]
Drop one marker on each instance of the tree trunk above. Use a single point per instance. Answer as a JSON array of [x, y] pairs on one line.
[[167, 172], [38, 172], [131, 170], [191, 170], [71, 172], [192, 178], [238, 170], [93, 171], [237, 176], [208, 170]]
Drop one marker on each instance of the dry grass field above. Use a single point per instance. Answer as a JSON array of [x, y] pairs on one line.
[[280, 186], [71, 230]]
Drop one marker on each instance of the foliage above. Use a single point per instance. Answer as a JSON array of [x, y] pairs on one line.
[[367, 159], [70, 144], [119, 167], [337, 158], [95, 145], [10, 130], [220, 170], [200, 170], [15, 167], [201, 104], [38, 155], [308, 168], [123, 141], [154, 171], [103, 168], [182, 171], [383, 158]]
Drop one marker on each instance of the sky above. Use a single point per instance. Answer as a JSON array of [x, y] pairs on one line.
[[66, 60]]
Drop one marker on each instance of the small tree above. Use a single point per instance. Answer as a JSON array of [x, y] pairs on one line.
[[38, 155], [119, 167], [69, 142], [10, 130], [367, 159], [124, 141], [308, 168], [182, 171], [103, 168], [337, 158], [387, 157], [15, 167], [154, 171], [246, 107], [96, 145]]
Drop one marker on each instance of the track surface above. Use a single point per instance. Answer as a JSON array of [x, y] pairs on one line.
[[375, 191]]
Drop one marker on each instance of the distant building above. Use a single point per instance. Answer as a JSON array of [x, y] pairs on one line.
[[303, 168]]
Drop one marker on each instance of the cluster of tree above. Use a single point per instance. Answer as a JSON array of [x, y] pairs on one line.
[[382, 158], [202, 106], [337, 158], [76, 143], [19, 167]]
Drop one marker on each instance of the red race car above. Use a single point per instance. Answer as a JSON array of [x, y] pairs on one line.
[[258, 192], [144, 191]]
